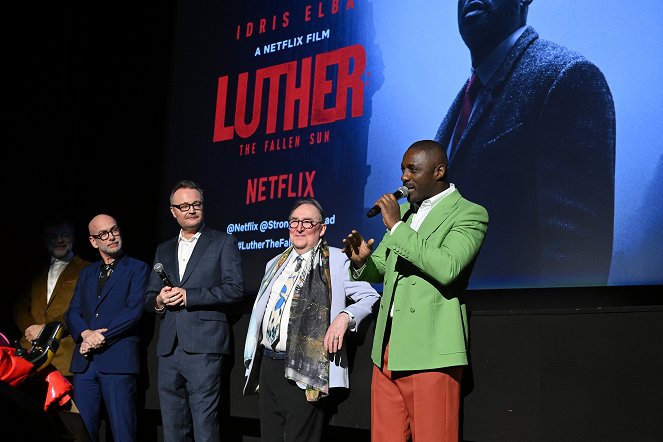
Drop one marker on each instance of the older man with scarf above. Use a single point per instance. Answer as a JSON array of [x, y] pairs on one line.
[[294, 353]]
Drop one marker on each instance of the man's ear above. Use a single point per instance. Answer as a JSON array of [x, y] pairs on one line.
[[440, 171]]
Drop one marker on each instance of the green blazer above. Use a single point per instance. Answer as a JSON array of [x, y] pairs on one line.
[[425, 274]]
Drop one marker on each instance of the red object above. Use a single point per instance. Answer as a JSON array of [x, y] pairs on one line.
[[58, 389], [416, 405], [13, 369], [471, 91]]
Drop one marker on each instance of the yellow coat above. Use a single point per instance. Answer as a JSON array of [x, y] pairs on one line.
[[31, 308]]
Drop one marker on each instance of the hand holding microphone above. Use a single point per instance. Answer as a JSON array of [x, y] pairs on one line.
[[401, 192], [169, 297], [158, 267]]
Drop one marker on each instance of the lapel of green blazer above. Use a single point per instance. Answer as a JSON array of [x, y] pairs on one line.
[[439, 214]]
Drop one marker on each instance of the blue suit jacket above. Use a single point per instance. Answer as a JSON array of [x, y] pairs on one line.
[[539, 154], [118, 308], [213, 280]]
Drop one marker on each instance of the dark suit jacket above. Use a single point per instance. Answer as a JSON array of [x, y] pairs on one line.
[[213, 280], [31, 308], [539, 154], [118, 308]]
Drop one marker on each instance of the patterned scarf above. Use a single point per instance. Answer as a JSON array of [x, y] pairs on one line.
[[308, 362]]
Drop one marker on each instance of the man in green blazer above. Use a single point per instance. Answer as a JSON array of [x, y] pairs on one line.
[[421, 334]]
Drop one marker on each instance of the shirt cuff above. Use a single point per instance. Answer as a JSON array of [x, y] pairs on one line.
[[352, 325], [393, 228], [356, 273]]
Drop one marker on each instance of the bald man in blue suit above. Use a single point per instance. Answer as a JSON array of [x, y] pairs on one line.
[[103, 319]]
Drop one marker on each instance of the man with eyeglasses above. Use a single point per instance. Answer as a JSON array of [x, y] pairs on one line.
[[294, 352], [103, 319], [202, 276]]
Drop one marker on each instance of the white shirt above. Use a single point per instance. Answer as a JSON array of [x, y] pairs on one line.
[[54, 272], [184, 251]]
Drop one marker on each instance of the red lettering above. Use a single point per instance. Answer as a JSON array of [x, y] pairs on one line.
[[347, 81], [221, 131], [261, 189], [272, 180], [350, 64], [250, 191], [309, 183], [263, 24], [280, 186], [296, 94], [243, 129]]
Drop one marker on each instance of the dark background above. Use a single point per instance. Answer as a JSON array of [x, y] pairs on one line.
[[88, 88]]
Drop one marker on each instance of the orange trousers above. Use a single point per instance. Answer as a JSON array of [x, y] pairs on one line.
[[417, 406]]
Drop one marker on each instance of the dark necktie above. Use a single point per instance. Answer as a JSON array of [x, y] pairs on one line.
[[471, 90], [104, 274]]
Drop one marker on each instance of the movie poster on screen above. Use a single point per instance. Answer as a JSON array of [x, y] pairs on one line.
[[278, 96]]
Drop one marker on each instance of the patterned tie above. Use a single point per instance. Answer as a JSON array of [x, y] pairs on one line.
[[104, 274], [274, 324], [471, 90]]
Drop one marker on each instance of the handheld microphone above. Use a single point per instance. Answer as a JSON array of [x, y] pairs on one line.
[[158, 267], [401, 192]]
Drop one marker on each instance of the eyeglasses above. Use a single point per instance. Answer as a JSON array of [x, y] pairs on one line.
[[306, 223], [104, 234], [197, 205]]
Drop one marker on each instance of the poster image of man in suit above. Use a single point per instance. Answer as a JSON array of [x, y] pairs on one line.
[[538, 151]]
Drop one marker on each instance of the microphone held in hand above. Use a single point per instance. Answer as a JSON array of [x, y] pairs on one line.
[[158, 267], [401, 192]]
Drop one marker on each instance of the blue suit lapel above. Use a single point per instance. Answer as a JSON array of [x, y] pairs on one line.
[[117, 275]]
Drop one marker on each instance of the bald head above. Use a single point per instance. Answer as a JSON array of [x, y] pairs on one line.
[[433, 150], [100, 222]]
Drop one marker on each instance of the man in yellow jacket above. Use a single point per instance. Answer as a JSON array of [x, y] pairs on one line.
[[51, 291]]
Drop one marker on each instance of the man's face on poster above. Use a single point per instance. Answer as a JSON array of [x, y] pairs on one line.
[[486, 22]]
